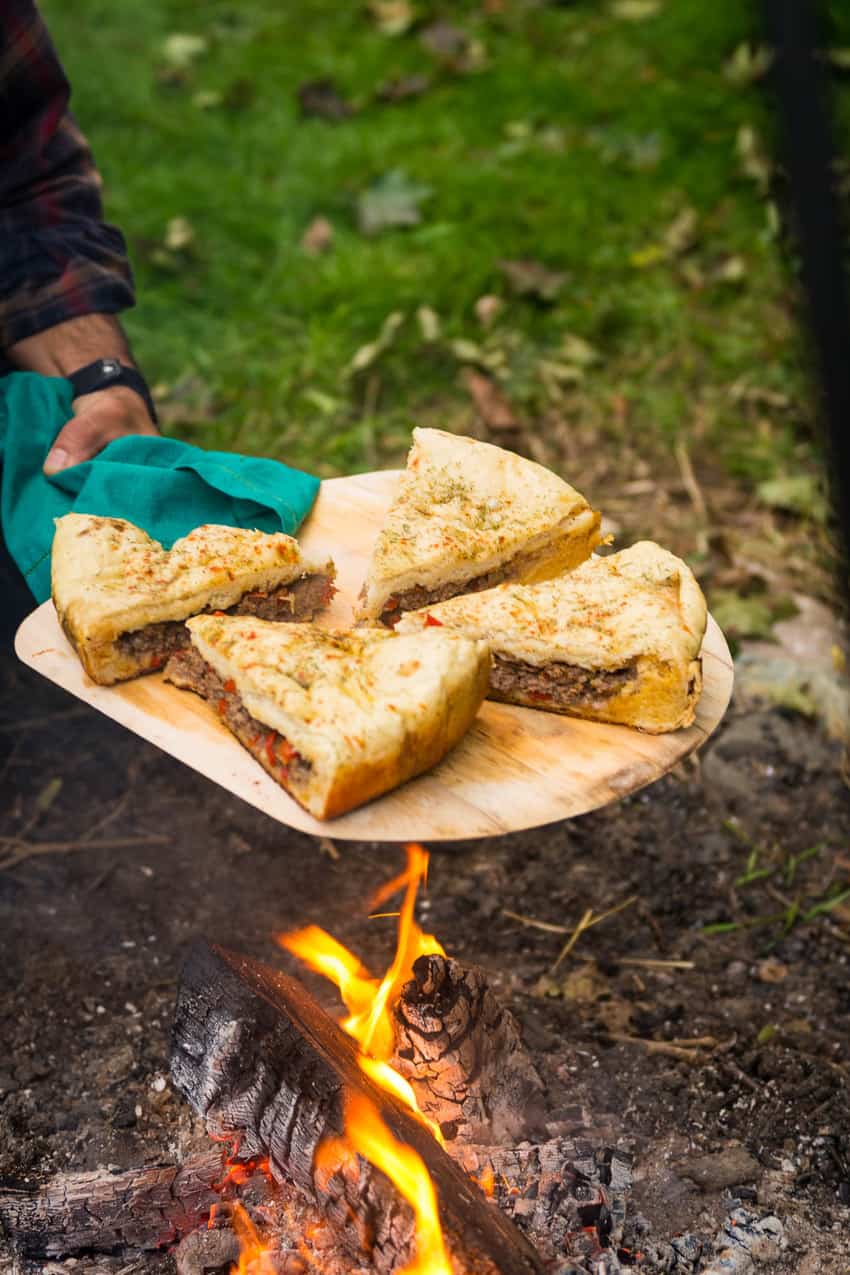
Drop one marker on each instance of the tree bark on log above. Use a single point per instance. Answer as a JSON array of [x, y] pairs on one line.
[[144, 1208], [260, 1061], [464, 1056]]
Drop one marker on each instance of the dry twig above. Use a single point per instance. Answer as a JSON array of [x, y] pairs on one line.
[[649, 964], [15, 851], [585, 923], [534, 924]]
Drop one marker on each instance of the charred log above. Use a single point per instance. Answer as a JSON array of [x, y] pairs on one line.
[[260, 1061], [102, 1212], [463, 1055]]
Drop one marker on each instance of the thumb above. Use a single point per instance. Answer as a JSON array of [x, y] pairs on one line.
[[77, 440]]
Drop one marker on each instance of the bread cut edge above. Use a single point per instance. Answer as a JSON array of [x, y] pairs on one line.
[[549, 554]]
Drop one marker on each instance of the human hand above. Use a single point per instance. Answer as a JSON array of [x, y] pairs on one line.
[[98, 418]]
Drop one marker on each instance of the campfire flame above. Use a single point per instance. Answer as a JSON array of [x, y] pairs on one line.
[[367, 1133], [369, 1003], [256, 1256], [369, 1000]]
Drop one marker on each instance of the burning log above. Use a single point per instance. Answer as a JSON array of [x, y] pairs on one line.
[[145, 1208], [463, 1056], [256, 1056]]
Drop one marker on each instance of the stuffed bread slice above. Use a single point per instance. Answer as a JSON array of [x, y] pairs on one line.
[[467, 516], [615, 640], [122, 599], [335, 717]]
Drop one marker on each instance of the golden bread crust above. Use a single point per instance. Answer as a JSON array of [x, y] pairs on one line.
[[640, 609], [109, 577], [367, 709], [465, 508]]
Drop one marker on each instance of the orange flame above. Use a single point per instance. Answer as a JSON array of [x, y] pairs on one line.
[[367, 1133], [369, 1003], [367, 1000], [255, 1255]]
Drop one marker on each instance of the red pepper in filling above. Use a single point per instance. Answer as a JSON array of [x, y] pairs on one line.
[[429, 621], [222, 707], [230, 686], [541, 695], [391, 603]]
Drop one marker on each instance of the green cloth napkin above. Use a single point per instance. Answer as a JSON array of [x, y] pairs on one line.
[[164, 486]]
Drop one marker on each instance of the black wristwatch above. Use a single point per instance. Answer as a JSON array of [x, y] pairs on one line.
[[105, 373]]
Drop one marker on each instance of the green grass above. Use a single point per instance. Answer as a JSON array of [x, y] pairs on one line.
[[577, 143]]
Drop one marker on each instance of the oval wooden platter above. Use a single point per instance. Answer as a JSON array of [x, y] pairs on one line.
[[516, 768]]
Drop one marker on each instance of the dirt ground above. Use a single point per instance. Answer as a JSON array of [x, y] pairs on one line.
[[92, 942]]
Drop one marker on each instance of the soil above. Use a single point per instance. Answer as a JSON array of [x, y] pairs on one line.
[[758, 1111]]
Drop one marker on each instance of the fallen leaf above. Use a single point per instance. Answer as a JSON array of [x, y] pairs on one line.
[[650, 255], [324, 403], [467, 351], [454, 47], [429, 323], [393, 200], [206, 99], [322, 99], [732, 270], [372, 351], [444, 40], [490, 403], [180, 50], [392, 17], [403, 88], [635, 10], [752, 157], [578, 351], [585, 985], [748, 63], [532, 279], [318, 237], [680, 236], [487, 308], [554, 375], [179, 234], [797, 494]]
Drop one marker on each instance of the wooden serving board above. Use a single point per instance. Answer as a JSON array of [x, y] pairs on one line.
[[516, 768]]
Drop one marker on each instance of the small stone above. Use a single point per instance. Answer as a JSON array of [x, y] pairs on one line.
[[732, 1166], [772, 971], [158, 1084]]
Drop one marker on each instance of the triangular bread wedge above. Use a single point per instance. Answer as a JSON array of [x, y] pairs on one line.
[[467, 516], [615, 640], [122, 599], [337, 718]]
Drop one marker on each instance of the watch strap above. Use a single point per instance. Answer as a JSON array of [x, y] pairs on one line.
[[103, 374]]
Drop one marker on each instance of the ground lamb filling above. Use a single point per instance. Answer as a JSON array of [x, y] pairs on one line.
[[558, 684], [188, 670], [419, 595], [297, 601]]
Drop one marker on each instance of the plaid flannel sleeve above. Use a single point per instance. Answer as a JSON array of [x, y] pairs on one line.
[[58, 259]]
